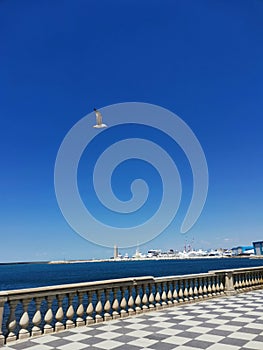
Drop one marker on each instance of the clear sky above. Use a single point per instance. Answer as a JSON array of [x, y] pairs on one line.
[[200, 59]]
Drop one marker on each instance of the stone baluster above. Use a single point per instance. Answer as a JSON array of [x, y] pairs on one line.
[[240, 282], [190, 290], [243, 281], [59, 326], [157, 296], [70, 312], [255, 275], [175, 294], [11, 323], [115, 305], [2, 305], [250, 279], [80, 310], [48, 316], [200, 289], [123, 303], [36, 320], [258, 278], [246, 281], [213, 286], [99, 307], [145, 306], [186, 294], [24, 320], [90, 309], [138, 300], [180, 293], [131, 302], [107, 305], [164, 295], [209, 289], [261, 277], [236, 281], [170, 295], [205, 295], [221, 285], [195, 289], [151, 297], [217, 285]]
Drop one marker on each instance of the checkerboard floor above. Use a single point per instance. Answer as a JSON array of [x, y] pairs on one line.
[[227, 323]]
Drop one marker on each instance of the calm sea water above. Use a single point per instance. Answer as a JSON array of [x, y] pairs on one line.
[[36, 275]]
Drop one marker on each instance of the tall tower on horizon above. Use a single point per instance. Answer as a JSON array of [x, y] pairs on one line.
[[115, 254]]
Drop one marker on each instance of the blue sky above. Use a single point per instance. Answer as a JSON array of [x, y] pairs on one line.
[[200, 59]]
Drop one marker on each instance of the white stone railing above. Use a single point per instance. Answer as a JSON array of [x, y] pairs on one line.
[[31, 312]]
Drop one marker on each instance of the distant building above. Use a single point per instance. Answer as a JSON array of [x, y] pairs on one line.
[[258, 247], [116, 253], [243, 250]]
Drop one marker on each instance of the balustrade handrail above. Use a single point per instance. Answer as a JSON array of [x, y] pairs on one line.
[[73, 287], [238, 270]]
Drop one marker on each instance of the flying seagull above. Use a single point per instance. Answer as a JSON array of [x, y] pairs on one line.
[[99, 120]]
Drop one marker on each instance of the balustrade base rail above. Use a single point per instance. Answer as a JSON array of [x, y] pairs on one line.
[[31, 312]]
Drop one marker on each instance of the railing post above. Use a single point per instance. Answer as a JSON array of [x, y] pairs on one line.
[[11, 322], [115, 305], [195, 289], [80, 310], [144, 298], [151, 297], [123, 303], [190, 291], [138, 300], [48, 316], [59, 326], [2, 304], [157, 296], [229, 283], [107, 305], [169, 294], [70, 312], [90, 309], [36, 320], [24, 320], [99, 308], [164, 295], [131, 302], [175, 294]]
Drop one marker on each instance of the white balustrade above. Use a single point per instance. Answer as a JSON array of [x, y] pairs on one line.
[[31, 312]]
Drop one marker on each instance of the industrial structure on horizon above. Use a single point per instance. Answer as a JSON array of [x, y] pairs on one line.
[[253, 250]]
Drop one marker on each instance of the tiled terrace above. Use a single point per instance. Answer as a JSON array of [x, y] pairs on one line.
[[225, 323]]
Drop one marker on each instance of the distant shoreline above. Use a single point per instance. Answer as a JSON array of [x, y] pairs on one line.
[[58, 262]]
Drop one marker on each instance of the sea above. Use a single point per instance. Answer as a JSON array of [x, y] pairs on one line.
[[19, 276]]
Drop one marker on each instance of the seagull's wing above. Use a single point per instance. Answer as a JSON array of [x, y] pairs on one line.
[[98, 118]]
